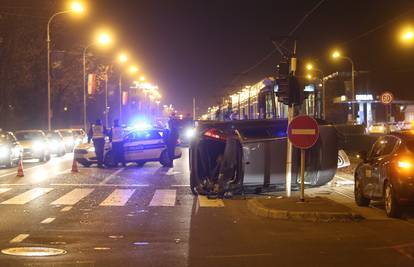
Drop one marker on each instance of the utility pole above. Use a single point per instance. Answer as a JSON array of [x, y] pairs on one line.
[[291, 110], [194, 108]]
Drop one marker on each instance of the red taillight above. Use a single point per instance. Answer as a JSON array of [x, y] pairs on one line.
[[215, 134]]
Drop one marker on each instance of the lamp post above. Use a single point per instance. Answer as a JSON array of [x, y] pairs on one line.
[[335, 55], [77, 8], [103, 39]]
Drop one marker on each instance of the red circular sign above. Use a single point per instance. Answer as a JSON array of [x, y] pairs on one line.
[[387, 98], [303, 132]]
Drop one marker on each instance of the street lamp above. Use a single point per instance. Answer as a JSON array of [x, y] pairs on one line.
[[142, 78], [406, 35], [75, 7], [133, 69], [103, 39], [309, 67], [337, 55]]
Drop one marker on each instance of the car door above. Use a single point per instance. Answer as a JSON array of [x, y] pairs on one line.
[[390, 144], [370, 168]]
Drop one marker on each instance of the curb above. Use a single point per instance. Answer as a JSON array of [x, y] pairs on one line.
[[258, 209]]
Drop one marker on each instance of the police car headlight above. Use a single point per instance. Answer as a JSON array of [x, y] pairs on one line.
[[38, 146], [91, 149], [54, 144], [4, 152], [190, 133]]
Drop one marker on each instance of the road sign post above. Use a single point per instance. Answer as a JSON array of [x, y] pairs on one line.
[[387, 98], [303, 132]]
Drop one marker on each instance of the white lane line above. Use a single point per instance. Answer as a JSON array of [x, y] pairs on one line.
[[163, 198], [104, 185], [27, 196], [4, 190], [111, 176], [180, 185], [68, 208], [119, 197], [73, 196], [13, 184], [19, 238], [204, 202], [48, 220]]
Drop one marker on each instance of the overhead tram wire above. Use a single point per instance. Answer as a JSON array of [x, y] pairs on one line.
[[268, 55]]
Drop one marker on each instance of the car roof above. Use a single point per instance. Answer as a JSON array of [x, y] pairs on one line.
[[30, 131]]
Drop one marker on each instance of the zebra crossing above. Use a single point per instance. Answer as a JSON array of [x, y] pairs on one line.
[[115, 198]]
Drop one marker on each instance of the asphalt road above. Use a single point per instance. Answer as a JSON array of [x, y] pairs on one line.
[[148, 217]]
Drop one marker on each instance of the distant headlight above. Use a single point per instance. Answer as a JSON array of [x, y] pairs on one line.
[[4, 152], [190, 133], [38, 146], [69, 142]]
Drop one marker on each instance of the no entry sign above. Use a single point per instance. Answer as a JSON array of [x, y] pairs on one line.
[[303, 132]]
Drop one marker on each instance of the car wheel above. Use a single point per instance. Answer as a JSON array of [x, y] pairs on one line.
[[109, 160], [42, 158], [360, 199], [10, 163], [140, 163], [392, 208], [164, 159], [48, 157], [87, 165]]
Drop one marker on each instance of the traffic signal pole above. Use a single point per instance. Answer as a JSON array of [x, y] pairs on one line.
[[291, 110]]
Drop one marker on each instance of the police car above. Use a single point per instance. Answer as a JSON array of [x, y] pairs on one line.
[[10, 149], [140, 146]]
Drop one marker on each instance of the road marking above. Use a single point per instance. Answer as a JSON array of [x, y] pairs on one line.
[[180, 185], [27, 196], [72, 197], [68, 208], [4, 190], [119, 197], [48, 220], [163, 198], [111, 176], [104, 185], [304, 131], [204, 202], [19, 238], [13, 184]]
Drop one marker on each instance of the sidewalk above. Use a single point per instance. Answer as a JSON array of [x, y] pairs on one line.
[[316, 209]]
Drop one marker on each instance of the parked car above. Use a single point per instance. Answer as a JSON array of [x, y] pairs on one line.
[[10, 149], [387, 173], [35, 144]]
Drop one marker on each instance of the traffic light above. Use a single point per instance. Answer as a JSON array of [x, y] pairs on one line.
[[288, 90]]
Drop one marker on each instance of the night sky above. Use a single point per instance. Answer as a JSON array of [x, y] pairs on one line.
[[198, 48]]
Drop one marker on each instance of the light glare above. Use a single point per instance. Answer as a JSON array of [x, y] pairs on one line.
[[77, 7]]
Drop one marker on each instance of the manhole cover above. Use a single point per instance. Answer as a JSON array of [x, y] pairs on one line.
[[33, 251]]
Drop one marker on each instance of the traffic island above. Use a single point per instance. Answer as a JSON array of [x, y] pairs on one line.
[[314, 209]]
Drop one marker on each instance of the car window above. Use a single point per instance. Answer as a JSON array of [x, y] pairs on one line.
[[144, 135], [383, 146]]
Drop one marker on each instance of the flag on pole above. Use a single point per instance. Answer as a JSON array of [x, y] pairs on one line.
[[91, 84]]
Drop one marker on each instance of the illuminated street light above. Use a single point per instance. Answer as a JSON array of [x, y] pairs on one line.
[[75, 7], [309, 76], [142, 79], [122, 58], [133, 69], [336, 54], [309, 66], [102, 39]]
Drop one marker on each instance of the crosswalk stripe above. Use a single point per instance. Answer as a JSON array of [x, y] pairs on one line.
[[73, 196], [163, 198], [4, 190], [27, 196], [119, 197], [19, 238], [204, 202], [48, 220]]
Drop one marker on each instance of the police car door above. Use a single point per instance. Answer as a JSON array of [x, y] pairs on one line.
[[143, 145]]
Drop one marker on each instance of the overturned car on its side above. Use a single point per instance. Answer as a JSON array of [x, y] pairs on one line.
[[230, 156]]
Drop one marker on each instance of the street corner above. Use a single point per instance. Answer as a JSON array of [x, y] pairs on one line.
[[314, 209]]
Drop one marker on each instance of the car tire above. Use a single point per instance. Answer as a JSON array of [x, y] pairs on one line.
[[164, 159], [10, 163], [87, 165], [109, 160], [42, 158], [392, 208], [47, 157], [140, 163], [360, 199]]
